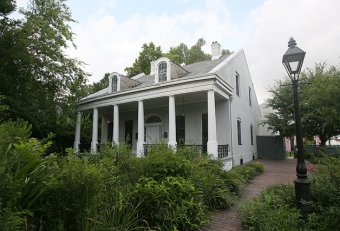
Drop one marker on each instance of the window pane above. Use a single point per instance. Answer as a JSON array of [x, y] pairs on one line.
[[114, 83], [251, 135], [237, 84], [162, 71], [239, 132]]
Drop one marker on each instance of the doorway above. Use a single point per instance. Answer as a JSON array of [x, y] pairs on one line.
[[153, 129]]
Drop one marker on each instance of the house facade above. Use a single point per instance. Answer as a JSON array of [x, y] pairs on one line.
[[209, 104]]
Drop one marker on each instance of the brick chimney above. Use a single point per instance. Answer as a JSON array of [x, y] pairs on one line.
[[215, 50]]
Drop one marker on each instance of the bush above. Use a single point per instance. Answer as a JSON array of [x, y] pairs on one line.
[[162, 162], [275, 209], [171, 204], [71, 193], [207, 177], [12, 132]]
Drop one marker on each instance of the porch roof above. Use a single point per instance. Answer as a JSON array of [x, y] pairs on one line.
[[194, 69]]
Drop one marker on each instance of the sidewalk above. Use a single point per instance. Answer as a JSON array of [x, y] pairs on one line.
[[275, 172]]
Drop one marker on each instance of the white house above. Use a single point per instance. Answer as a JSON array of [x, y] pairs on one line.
[[211, 104]]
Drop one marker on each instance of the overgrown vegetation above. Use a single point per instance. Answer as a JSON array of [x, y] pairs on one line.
[[110, 190], [275, 209]]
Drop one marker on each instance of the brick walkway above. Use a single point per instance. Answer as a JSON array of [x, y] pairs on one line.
[[275, 172]]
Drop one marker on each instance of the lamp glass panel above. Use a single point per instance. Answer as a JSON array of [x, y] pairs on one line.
[[294, 66]]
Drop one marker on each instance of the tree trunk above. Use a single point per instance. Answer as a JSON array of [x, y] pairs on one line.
[[323, 140]]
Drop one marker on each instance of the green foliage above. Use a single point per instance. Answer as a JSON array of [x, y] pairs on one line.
[[142, 64], [249, 171], [172, 203], [180, 54], [208, 178], [6, 7], [41, 84], [320, 105], [23, 180], [12, 132], [275, 209], [109, 190]]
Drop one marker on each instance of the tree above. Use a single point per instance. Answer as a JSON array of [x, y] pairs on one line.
[[226, 52], [320, 104], [179, 54], [142, 64], [196, 54], [40, 82]]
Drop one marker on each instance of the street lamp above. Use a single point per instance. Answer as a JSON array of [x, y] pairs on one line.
[[292, 60]]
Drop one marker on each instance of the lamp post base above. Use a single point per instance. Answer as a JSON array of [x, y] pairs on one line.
[[302, 195]]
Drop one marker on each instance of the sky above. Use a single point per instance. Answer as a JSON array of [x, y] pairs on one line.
[[109, 33]]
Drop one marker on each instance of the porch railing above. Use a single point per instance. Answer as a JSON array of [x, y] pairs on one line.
[[223, 150]]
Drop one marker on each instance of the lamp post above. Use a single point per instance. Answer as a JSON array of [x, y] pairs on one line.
[[292, 61]]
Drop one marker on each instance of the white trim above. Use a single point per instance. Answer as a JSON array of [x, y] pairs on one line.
[[226, 61], [138, 76], [164, 90]]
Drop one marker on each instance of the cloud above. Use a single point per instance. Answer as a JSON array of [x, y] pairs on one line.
[[109, 44], [314, 24]]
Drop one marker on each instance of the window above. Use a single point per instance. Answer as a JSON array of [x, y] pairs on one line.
[[180, 129], [204, 132], [162, 68], [153, 119], [251, 135], [239, 132], [114, 83], [237, 84], [249, 95]]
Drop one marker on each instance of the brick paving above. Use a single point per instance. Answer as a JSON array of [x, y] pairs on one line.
[[275, 172]]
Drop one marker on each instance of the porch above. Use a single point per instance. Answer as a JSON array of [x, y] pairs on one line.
[[188, 119]]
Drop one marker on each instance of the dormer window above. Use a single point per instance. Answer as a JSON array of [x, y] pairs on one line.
[[162, 70], [114, 83]]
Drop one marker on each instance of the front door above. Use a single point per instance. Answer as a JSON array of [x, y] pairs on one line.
[[153, 133]]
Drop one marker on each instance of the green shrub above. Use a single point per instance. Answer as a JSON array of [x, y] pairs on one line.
[[171, 204], [249, 171], [12, 132], [216, 193], [162, 162], [233, 181], [23, 180], [274, 209], [264, 212], [71, 193], [114, 210]]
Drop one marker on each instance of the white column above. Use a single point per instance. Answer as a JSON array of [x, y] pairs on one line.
[[77, 135], [94, 130], [172, 122], [212, 142], [103, 134], [140, 142], [115, 138]]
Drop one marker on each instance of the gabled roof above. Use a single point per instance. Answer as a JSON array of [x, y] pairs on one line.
[[203, 66], [194, 69]]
